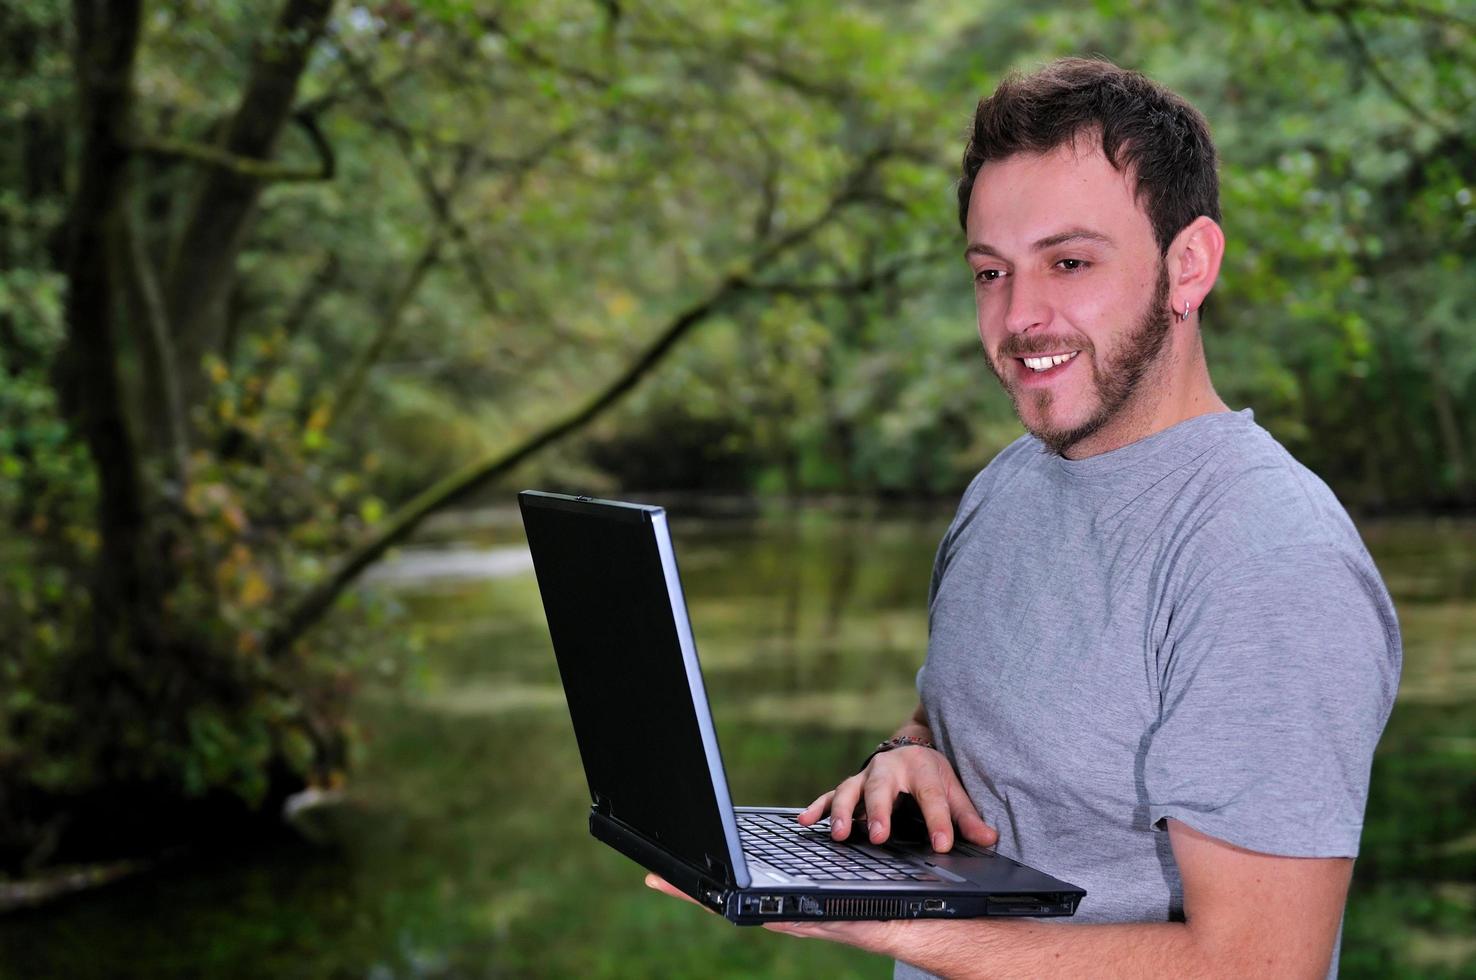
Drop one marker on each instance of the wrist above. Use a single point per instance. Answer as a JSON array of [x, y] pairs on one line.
[[898, 742]]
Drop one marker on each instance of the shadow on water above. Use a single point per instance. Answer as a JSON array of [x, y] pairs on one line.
[[465, 852]]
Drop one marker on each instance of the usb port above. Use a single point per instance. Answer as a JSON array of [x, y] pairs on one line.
[[933, 905], [771, 905]]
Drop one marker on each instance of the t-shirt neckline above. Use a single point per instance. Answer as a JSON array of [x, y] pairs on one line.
[[1139, 453]]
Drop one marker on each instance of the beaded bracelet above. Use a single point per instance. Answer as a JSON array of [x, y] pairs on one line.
[[896, 742]]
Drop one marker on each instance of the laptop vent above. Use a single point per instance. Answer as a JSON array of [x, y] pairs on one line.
[[864, 908]]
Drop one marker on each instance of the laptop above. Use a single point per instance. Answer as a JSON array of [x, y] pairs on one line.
[[607, 573]]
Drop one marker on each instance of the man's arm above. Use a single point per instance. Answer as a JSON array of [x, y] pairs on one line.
[[1246, 914]]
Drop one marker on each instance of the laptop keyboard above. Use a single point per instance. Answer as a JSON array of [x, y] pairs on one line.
[[809, 852]]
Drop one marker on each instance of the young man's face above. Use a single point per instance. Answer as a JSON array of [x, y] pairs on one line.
[[1071, 290]]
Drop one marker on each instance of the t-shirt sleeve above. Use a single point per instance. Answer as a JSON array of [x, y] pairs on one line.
[[1276, 677]]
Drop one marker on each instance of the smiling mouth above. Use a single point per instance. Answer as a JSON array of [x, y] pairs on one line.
[[1047, 361]]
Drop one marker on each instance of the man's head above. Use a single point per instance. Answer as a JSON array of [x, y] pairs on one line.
[[1090, 200]]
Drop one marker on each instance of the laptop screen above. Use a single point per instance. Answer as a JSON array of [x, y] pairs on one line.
[[618, 623]]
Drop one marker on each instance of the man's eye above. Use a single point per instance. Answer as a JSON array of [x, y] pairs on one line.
[[988, 275], [1072, 265]]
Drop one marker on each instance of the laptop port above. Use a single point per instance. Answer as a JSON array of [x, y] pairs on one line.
[[1021, 906], [771, 905], [934, 905]]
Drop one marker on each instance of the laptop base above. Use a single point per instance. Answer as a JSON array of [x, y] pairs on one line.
[[845, 901]]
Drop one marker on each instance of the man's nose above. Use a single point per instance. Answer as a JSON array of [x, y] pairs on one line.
[[1028, 307]]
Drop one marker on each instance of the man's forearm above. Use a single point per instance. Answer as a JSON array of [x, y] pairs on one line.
[[1248, 914], [1018, 948]]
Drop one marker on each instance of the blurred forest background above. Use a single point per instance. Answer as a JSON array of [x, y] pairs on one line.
[[282, 279]]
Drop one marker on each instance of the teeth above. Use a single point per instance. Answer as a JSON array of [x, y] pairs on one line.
[[1045, 363]]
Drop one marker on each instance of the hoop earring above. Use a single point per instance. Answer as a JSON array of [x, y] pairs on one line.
[[1185, 315]]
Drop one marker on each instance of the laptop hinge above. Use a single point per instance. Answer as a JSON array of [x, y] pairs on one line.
[[708, 885]]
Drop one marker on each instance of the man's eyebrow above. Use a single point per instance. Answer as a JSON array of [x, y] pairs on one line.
[[1071, 235], [1050, 241]]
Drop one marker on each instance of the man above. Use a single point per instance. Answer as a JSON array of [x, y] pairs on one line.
[[1159, 656]]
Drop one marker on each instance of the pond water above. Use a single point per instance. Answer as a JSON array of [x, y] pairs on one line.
[[465, 851]]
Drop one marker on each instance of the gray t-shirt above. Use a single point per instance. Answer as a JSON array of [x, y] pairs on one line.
[[1186, 627]]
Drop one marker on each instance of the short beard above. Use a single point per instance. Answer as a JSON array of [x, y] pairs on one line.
[[1116, 382]]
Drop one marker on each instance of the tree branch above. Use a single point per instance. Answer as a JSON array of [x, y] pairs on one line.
[[158, 345], [201, 267], [317, 600], [439, 201], [1412, 11], [353, 382], [862, 283], [492, 24], [308, 609], [249, 168], [311, 292], [742, 50], [444, 221], [1344, 14]]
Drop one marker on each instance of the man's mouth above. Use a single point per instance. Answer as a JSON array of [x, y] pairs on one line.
[[1044, 362]]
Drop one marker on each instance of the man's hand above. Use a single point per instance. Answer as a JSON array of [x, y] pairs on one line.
[[927, 775], [875, 937]]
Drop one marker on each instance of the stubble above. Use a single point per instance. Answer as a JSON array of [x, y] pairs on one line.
[[1115, 382]]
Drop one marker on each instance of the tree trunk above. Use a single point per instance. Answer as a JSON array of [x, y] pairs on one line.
[[203, 260], [155, 346], [128, 597]]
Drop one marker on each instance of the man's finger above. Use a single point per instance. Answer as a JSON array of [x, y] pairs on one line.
[[815, 810], [933, 801], [879, 799], [660, 884], [843, 806], [970, 824]]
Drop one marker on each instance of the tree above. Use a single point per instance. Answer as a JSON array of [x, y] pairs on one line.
[[165, 604]]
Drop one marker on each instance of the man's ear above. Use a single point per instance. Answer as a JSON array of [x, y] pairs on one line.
[[1194, 263]]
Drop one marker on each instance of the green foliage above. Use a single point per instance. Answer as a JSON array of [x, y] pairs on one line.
[[1346, 169], [215, 713]]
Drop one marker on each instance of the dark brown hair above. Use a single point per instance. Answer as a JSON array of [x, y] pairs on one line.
[[1147, 131]]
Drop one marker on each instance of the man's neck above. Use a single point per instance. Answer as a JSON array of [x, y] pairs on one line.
[[1176, 389]]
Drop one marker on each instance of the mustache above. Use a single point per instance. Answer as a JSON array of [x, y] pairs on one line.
[[1028, 346]]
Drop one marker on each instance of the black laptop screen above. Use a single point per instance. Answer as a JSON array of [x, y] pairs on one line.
[[616, 637]]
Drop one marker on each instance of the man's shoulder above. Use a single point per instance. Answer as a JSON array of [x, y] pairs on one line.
[[1254, 498]]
